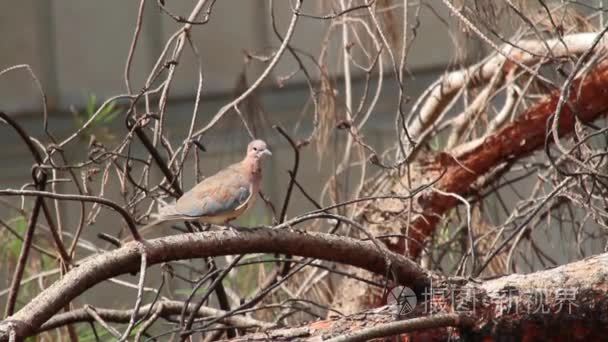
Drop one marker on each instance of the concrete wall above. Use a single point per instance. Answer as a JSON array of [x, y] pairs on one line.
[[78, 47]]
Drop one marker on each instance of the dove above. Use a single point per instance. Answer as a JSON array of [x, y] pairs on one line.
[[222, 197]]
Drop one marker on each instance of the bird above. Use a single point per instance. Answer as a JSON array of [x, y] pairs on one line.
[[222, 197]]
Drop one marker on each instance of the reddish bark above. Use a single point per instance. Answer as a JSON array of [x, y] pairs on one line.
[[510, 308], [588, 96]]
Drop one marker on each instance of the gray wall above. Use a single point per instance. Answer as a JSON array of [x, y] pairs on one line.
[[77, 47]]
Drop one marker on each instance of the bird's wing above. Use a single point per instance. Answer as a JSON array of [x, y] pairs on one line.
[[223, 193]]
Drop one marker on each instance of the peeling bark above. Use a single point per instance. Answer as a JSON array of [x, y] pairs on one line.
[[588, 97], [502, 308], [528, 53]]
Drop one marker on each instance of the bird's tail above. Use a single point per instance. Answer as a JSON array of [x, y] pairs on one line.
[[166, 212], [152, 224]]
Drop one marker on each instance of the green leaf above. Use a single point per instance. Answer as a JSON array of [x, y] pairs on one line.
[[13, 248], [107, 113], [90, 109]]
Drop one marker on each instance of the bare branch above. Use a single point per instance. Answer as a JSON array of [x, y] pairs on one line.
[[167, 309], [197, 245]]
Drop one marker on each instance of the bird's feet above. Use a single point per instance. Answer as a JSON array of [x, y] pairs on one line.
[[237, 228]]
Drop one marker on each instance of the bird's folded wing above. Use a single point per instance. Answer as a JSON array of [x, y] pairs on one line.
[[220, 194]]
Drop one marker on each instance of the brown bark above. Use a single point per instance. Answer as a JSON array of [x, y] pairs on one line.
[[517, 307], [165, 308], [126, 259], [588, 97]]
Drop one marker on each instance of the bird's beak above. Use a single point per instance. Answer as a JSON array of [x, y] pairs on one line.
[[267, 152]]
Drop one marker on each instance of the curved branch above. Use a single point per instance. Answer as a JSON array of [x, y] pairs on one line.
[[565, 303], [516, 140], [526, 52], [83, 198], [198, 245], [166, 308], [275, 59], [293, 173], [65, 257]]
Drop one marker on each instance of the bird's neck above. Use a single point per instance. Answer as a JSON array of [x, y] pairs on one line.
[[252, 168]]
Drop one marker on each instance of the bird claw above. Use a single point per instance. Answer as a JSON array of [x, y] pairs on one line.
[[238, 228]]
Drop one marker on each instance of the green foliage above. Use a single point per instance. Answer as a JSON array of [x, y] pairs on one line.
[[436, 143], [85, 334], [11, 244], [98, 128], [10, 254], [245, 279]]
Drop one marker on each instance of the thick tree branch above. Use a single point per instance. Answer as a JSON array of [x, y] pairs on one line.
[[516, 140], [462, 170], [402, 327], [527, 52], [566, 303], [126, 259]]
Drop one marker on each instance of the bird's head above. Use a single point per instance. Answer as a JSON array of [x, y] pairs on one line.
[[257, 150]]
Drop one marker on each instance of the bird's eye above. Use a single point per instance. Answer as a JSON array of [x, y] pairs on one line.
[[255, 148]]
